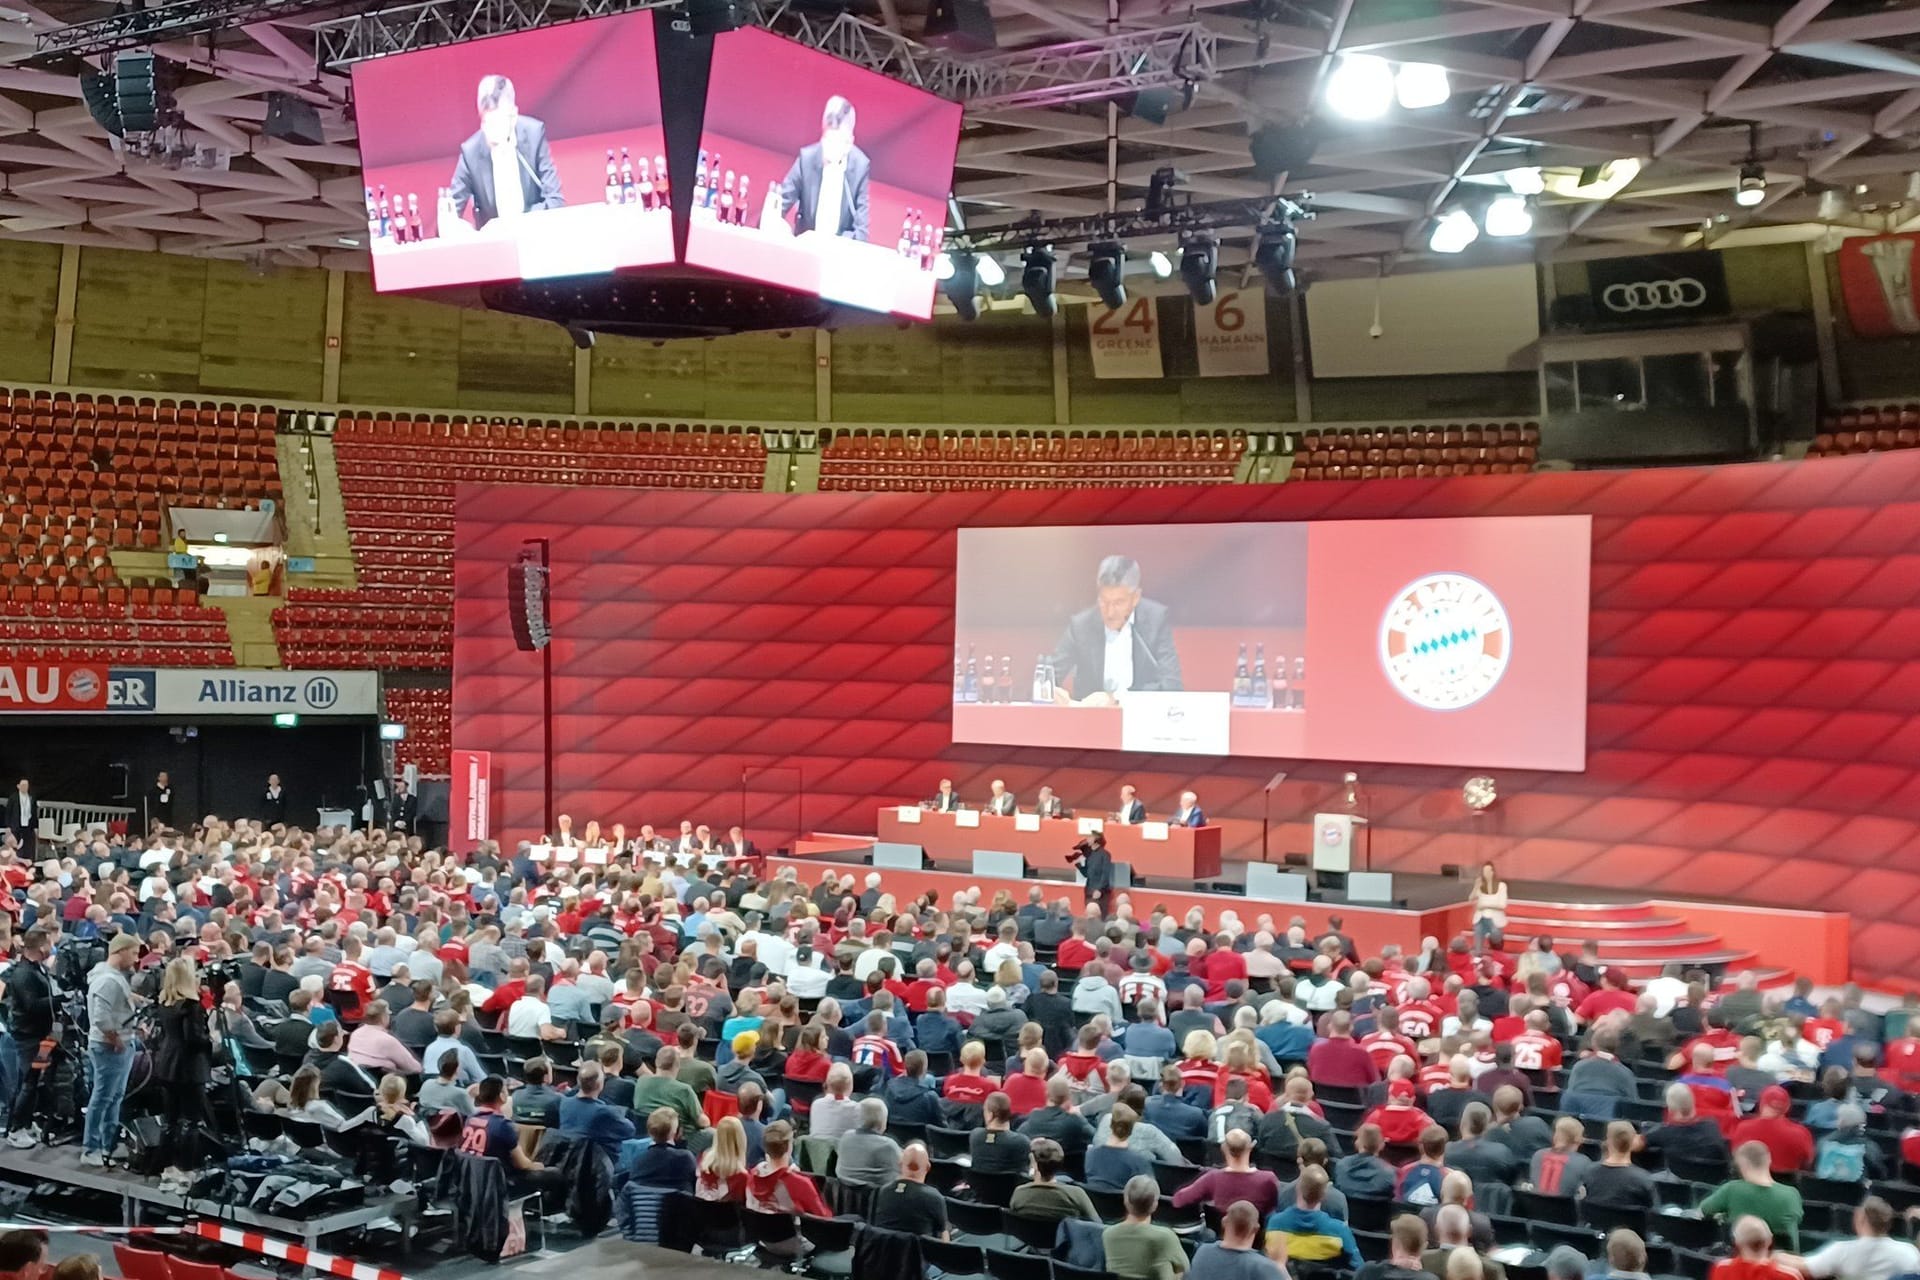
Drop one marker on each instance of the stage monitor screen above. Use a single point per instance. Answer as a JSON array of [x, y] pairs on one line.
[[517, 157], [819, 176], [1439, 642]]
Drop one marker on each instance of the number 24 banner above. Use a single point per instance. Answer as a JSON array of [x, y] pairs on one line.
[[1230, 335], [1126, 341]]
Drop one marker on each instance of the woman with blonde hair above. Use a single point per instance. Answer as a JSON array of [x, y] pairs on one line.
[[1007, 977], [1198, 1070], [394, 1111], [723, 1169], [183, 1066]]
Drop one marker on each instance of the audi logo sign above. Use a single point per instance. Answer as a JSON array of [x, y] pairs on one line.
[[1684, 294]]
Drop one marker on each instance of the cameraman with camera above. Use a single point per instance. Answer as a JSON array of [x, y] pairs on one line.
[[1096, 864]]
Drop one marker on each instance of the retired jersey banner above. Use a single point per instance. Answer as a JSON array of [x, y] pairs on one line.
[[1126, 341], [1876, 282], [1230, 335]]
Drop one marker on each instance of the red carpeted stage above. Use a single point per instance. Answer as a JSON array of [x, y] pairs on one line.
[[1638, 933]]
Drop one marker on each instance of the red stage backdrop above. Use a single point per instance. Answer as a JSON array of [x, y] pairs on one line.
[[1753, 727]]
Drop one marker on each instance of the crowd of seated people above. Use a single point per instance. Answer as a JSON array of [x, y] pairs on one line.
[[1187, 1088]]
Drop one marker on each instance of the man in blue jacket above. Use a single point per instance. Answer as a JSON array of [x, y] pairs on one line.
[[1313, 1234], [584, 1115]]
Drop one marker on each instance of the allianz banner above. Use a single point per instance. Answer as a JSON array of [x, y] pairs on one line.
[[51, 688]]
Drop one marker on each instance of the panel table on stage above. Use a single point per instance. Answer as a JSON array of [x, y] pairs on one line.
[[1154, 849]]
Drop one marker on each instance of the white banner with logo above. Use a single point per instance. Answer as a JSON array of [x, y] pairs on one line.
[[1125, 342], [225, 692], [1230, 335]]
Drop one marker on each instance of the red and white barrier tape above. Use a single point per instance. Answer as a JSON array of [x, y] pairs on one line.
[[294, 1253], [251, 1241]]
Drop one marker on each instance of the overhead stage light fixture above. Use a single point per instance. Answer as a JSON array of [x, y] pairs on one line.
[[1418, 85], [1509, 216], [1107, 271], [962, 286], [1454, 231], [1274, 254], [1361, 86], [1160, 264], [1198, 262], [1036, 278], [991, 273], [1752, 187]]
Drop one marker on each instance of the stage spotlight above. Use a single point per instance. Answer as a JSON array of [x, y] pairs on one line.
[[1160, 189], [1752, 188], [943, 266], [991, 273], [1454, 232], [962, 286], [1525, 181], [1106, 272], [1036, 278], [1161, 265], [1361, 87], [1274, 256], [715, 17], [1509, 216], [1198, 261], [1421, 84]]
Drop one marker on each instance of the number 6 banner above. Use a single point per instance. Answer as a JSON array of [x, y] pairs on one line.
[[1126, 342], [1230, 335]]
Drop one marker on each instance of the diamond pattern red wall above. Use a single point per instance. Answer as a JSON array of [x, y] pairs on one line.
[[1754, 682]]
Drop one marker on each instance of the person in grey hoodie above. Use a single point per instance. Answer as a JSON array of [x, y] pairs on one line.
[[110, 1046]]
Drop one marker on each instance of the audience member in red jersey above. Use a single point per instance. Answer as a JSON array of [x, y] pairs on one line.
[[1224, 964], [1385, 1043], [1027, 1090], [1753, 1255], [1615, 993], [1719, 1037], [1400, 1119], [1420, 1017], [1788, 1142], [1900, 1063], [1075, 952], [1537, 1048], [1243, 1063], [1339, 1060]]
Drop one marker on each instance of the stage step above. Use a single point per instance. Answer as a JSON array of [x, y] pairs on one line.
[[1678, 946], [1561, 930], [1590, 911]]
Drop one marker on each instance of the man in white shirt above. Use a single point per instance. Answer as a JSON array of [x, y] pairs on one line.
[[1667, 990], [868, 961], [1871, 1255], [773, 951], [1131, 810], [529, 1017]]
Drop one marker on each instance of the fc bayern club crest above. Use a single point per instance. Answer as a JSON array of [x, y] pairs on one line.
[[1445, 641]]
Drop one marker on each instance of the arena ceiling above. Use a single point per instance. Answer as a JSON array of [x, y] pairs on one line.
[[1824, 93]]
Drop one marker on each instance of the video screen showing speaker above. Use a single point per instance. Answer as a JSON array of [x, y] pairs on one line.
[[517, 157], [1442, 642], [819, 176]]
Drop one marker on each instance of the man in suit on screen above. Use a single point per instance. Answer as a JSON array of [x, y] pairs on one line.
[[505, 168], [827, 186], [1123, 643]]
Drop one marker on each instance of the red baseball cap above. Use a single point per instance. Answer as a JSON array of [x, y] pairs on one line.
[[1774, 1098], [1402, 1090]]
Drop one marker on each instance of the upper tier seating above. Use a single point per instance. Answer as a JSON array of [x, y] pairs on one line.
[[397, 478], [88, 475], [1373, 453], [935, 461], [1864, 430], [428, 715]]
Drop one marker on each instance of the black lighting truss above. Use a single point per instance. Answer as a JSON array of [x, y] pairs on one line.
[[1272, 213], [129, 27]]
